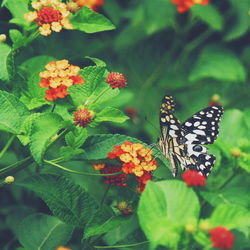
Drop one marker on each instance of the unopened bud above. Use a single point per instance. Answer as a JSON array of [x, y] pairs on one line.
[[236, 152], [205, 225], [9, 179], [3, 37]]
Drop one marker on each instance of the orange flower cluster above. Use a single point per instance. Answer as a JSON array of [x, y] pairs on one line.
[[50, 15], [134, 157], [93, 4], [185, 5], [58, 76]]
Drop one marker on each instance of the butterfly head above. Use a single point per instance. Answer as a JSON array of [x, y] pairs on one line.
[[167, 105]]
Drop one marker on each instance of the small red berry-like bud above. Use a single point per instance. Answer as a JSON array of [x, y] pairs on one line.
[[116, 80], [221, 237], [193, 178], [83, 117]]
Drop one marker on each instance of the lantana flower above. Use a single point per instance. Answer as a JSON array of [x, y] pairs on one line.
[[116, 80], [221, 237], [50, 15], [58, 76], [93, 4], [185, 5], [194, 178], [83, 117], [135, 159]]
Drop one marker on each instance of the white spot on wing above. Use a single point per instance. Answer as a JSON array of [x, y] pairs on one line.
[[196, 124], [188, 124], [163, 119], [199, 132], [173, 127]]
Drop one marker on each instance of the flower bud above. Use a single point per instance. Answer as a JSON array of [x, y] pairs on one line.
[[83, 117], [204, 225], [9, 179], [3, 37], [116, 80], [236, 152]]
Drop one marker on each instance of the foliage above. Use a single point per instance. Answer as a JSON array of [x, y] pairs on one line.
[[59, 194]]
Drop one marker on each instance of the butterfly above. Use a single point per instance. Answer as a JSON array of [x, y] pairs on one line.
[[182, 143]]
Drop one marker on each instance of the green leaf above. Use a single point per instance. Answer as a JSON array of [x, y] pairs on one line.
[[241, 21], [76, 137], [105, 226], [208, 14], [164, 217], [220, 64], [90, 21], [68, 201], [97, 61], [5, 54], [235, 195], [98, 146], [17, 39], [26, 128], [12, 113], [44, 128], [231, 216], [17, 9], [43, 232], [68, 153], [111, 114]]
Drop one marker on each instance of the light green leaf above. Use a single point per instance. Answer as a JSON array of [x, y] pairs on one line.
[[241, 22], [231, 216], [76, 137], [5, 55], [68, 201], [220, 64], [68, 153], [43, 232], [163, 219], [111, 114], [17, 39], [97, 61], [98, 146], [90, 21], [208, 14], [44, 128], [12, 113]]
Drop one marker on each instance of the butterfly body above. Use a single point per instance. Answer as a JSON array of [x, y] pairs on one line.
[[183, 143]]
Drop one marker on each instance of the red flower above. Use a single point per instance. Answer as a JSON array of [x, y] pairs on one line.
[[118, 180], [82, 117], [116, 80], [143, 180], [54, 93], [48, 15], [185, 5], [194, 178], [93, 4], [221, 238]]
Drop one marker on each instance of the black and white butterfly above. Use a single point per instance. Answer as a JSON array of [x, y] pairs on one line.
[[182, 143]]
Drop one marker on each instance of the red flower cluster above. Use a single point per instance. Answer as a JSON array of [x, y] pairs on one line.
[[82, 117], [57, 77], [116, 80], [193, 178], [221, 238], [93, 4], [50, 15], [135, 160], [185, 5], [118, 180]]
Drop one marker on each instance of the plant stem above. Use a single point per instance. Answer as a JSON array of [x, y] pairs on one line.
[[102, 93], [121, 246], [7, 145], [77, 172], [53, 108]]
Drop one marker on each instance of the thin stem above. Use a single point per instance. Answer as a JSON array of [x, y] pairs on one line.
[[53, 108], [7, 145], [77, 172], [58, 136], [102, 93], [105, 194], [121, 246]]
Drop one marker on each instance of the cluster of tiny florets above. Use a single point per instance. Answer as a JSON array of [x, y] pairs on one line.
[[93, 4], [58, 76], [221, 238], [50, 15], [83, 117], [194, 178], [185, 5], [116, 80]]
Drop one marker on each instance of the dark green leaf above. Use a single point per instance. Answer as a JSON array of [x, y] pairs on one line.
[[76, 137], [5, 54], [68, 201], [42, 232]]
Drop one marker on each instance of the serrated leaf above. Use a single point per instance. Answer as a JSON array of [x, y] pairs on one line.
[[43, 232], [76, 137], [68, 201], [231, 216], [163, 218], [44, 128], [5, 53], [220, 64], [111, 114], [25, 130], [12, 113], [98, 146], [208, 14], [90, 21], [68, 153]]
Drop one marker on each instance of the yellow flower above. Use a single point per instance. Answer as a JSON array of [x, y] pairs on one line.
[[30, 16], [98, 166], [45, 30], [36, 5], [56, 26], [73, 70], [62, 64], [68, 82], [125, 157]]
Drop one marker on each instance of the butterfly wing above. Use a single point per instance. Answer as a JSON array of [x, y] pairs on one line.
[[202, 128]]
